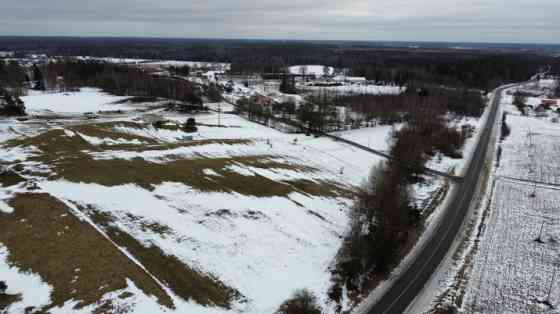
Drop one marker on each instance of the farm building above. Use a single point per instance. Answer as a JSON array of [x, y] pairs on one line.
[[550, 102]]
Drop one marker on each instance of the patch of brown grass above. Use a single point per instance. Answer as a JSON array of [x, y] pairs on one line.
[[168, 146], [105, 130], [7, 299], [152, 226], [179, 277], [10, 178], [115, 172], [69, 159], [44, 237], [321, 188]]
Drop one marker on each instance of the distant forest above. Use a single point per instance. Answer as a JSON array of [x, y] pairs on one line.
[[119, 80], [481, 67]]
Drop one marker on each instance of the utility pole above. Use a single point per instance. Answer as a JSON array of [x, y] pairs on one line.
[[220, 114], [539, 239], [532, 166]]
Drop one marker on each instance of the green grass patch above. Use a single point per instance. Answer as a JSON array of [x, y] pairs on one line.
[[43, 237], [183, 280]]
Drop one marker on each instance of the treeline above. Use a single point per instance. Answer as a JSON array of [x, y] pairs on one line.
[[312, 116], [481, 68], [389, 109], [323, 112], [71, 74], [13, 77], [385, 220]]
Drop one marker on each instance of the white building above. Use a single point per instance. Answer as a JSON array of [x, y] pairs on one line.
[[350, 79]]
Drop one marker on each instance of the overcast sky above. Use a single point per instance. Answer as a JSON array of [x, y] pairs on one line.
[[407, 20]]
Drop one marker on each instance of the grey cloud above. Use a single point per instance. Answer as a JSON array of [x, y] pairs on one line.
[[446, 20]]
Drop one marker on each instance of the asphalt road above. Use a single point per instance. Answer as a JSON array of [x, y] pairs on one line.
[[411, 282]]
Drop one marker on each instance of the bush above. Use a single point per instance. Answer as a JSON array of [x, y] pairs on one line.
[[520, 101], [11, 105], [213, 93], [3, 287], [505, 127], [288, 85], [190, 125], [302, 302]]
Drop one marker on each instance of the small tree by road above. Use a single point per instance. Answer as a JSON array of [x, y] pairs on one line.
[[520, 102], [302, 302]]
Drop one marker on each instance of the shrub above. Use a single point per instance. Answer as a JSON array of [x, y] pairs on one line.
[[520, 102], [3, 287], [302, 302], [505, 127], [11, 105], [213, 92], [190, 125]]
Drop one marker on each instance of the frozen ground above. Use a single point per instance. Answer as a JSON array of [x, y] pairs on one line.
[[348, 88], [33, 290], [281, 242], [312, 69], [86, 100], [210, 212], [512, 272], [532, 151], [165, 63], [502, 268]]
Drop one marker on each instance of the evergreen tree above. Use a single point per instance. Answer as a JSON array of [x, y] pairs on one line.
[[214, 93], [520, 102], [3, 287], [38, 78], [287, 85]]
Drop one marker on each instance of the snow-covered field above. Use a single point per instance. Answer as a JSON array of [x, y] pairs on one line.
[[512, 272], [263, 246], [164, 63], [312, 69], [532, 153], [348, 89], [504, 268], [86, 100], [237, 205], [378, 138]]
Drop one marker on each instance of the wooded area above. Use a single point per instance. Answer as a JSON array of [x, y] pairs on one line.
[[70, 74]]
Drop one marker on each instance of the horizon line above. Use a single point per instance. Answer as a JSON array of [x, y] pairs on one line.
[[282, 39]]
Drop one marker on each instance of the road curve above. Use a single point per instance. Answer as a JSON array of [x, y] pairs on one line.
[[410, 283]]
